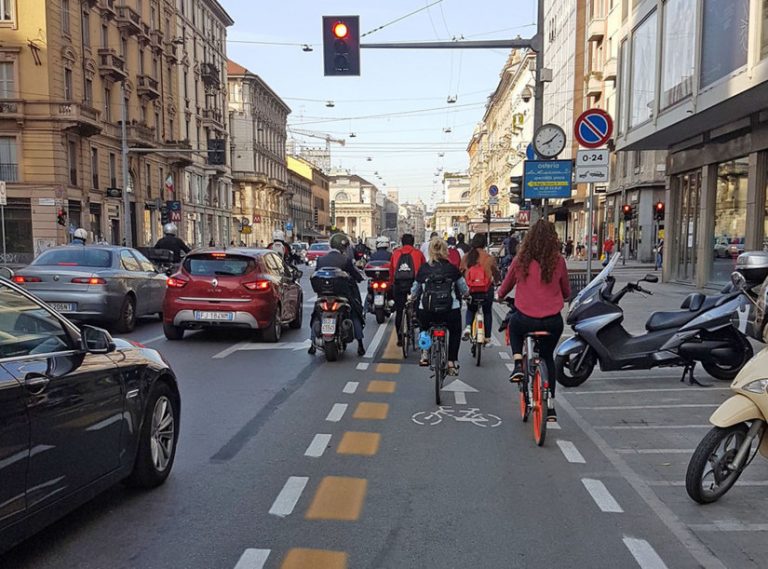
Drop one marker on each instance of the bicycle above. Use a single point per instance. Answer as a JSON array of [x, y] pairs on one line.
[[438, 357], [408, 331], [477, 334]]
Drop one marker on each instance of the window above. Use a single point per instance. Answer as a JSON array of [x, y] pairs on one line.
[[141, 60], [158, 126], [124, 47], [678, 51], [65, 16], [68, 94], [725, 38], [86, 23], [8, 164], [153, 17], [88, 92], [7, 12], [161, 177], [154, 68], [764, 32], [112, 171], [128, 261], [28, 329], [95, 168], [72, 161], [7, 82], [730, 217], [146, 264], [149, 180], [75, 257], [104, 36], [107, 105], [641, 95]]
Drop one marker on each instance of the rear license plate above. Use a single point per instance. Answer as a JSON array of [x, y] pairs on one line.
[[210, 315], [63, 306], [329, 326], [378, 300]]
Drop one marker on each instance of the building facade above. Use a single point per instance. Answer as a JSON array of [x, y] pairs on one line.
[[693, 78], [451, 215], [413, 219], [300, 199], [321, 202], [355, 203], [258, 118]]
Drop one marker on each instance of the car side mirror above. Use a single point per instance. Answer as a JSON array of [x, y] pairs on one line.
[[6, 273], [649, 278], [96, 340]]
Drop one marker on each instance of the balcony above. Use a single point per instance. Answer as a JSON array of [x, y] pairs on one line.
[[11, 109], [595, 84], [596, 29], [78, 118], [9, 172], [210, 75], [156, 40], [129, 20], [145, 35], [111, 65], [147, 87], [609, 69], [139, 134], [108, 8], [213, 118], [91, 3]]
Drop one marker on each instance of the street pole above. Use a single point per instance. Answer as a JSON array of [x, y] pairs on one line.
[[2, 216], [589, 238], [537, 44], [126, 198]]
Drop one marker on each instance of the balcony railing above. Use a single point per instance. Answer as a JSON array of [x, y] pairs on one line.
[[129, 20], [210, 74], [108, 8], [9, 172], [85, 119], [8, 108], [147, 86], [111, 64]]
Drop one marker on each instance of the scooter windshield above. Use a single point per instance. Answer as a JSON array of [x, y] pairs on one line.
[[598, 281]]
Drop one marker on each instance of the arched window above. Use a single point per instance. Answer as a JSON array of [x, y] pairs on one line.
[[342, 197]]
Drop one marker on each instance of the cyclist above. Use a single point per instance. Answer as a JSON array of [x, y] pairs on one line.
[[541, 277], [382, 250], [170, 242], [480, 271], [461, 245], [403, 268], [454, 254], [440, 287], [425, 245]]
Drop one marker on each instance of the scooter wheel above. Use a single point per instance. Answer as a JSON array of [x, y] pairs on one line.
[[708, 477], [725, 372], [570, 378]]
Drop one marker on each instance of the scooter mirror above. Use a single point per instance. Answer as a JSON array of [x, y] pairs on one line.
[[649, 278], [738, 280]]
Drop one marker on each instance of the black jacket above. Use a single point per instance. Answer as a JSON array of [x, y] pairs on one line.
[[340, 261], [172, 243], [381, 255]]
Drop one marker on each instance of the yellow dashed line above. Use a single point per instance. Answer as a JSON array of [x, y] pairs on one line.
[[314, 559], [338, 498], [366, 444], [387, 368], [379, 386], [392, 351], [366, 410]]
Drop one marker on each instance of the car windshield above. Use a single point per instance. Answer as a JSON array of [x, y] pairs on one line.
[[219, 265], [75, 256], [320, 247]]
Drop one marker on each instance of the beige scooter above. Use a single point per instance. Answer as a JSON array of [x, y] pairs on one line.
[[738, 434]]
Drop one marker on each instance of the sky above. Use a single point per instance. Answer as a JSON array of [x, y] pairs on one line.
[[409, 87]]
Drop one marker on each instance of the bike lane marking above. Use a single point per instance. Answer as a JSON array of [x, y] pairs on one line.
[[387, 368], [351, 387], [289, 496], [338, 498], [381, 386], [317, 447], [357, 443], [644, 554], [337, 412], [253, 559], [374, 345], [602, 497], [392, 351], [371, 411], [299, 558], [505, 356], [570, 452]]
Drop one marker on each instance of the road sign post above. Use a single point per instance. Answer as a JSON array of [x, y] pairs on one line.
[[593, 128], [3, 203]]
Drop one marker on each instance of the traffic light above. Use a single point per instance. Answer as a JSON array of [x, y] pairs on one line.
[[516, 190], [626, 209], [658, 211], [341, 45], [487, 215], [61, 217]]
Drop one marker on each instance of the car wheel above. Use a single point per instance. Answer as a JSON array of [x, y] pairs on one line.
[[299, 320], [273, 332], [127, 320], [157, 438], [173, 332]]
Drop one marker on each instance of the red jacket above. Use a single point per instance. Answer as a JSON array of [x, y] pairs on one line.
[[416, 255]]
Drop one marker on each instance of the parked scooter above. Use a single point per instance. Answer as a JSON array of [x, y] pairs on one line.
[[332, 315], [738, 432], [378, 301], [701, 331]]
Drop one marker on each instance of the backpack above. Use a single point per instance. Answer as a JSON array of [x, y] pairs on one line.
[[454, 257], [405, 272], [477, 280], [438, 293]]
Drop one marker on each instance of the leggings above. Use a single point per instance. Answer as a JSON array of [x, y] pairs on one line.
[[487, 298], [452, 321], [520, 325]]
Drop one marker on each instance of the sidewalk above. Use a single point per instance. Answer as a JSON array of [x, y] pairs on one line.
[[597, 265]]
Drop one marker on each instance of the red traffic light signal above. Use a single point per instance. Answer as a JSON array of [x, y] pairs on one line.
[[340, 30], [658, 211], [341, 45], [626, 209]]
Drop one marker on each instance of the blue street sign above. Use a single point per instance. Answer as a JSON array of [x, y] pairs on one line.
[[530, 154], [544, 179], [593, 128], [288, 226], [493, 191]]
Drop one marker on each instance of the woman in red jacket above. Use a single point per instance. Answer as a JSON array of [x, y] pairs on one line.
[[540, 276]]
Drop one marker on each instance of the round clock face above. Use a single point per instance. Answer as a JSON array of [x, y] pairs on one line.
[[549, 141]]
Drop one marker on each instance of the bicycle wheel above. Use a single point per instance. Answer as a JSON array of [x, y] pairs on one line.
[[437, 362], [539, 395], [525, 400], [478, 353], [405, 339]]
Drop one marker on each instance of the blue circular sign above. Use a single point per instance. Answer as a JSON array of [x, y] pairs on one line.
[[593, 128], [530, 154], [493, 191]]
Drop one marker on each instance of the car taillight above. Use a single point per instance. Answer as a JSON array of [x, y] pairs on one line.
[[438, 333], [18, 279], [257, 285], [176, 282], [89, 280]]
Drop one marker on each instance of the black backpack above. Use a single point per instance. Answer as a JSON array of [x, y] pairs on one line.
[[405, 272], [438, 292]]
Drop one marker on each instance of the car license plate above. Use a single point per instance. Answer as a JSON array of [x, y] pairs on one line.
[[63, 306], [378, 300], [329, 326], [210, 315]]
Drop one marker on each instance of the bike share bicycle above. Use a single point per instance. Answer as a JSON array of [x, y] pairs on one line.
[[477, 335]]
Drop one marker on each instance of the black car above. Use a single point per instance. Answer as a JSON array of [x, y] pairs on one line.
[[79, 412]]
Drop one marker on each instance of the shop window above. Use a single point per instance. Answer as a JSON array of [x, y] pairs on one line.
[[643, 72], [725, 38], [679, 51], [95, 219], [730, 217]]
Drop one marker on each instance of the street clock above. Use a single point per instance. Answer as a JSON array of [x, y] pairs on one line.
[[549, 141]]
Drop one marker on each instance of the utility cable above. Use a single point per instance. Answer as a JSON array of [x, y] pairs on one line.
[[400, 19]]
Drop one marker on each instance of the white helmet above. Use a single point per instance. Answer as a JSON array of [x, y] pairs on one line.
[[382, 242], [278, 235], [279, 248], [170, 229], [81, 233]]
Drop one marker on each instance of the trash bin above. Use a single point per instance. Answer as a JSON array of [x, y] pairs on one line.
[[577, 280]]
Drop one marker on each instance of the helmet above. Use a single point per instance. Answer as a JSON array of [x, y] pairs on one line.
[[278, 248], [340, 242], [382, 242], [81, 233], [278, 235], [170, 229]]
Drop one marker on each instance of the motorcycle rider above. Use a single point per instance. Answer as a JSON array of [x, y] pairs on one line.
[[361, 250], [337, 257], [382, 250], [541, 277], [403, 268], [79, 237], [280, 246], [171, 242]]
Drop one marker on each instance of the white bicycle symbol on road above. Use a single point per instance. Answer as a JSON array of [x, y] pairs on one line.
[[472, 415]]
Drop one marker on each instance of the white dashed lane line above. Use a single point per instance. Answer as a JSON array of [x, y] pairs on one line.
[[362, 366], [601, 496], [644, 554], [374, 345], [253, 559], [505, 356], [351, 387], [318, 445], [289, 496], [570, 452], [336, 412]]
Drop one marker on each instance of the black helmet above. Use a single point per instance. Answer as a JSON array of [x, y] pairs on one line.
[[340, 242]]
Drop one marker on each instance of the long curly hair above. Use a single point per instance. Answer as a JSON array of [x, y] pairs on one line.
[[542, 245]]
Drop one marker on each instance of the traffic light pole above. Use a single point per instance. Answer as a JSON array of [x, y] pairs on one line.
[[591, 223], [127, 236]]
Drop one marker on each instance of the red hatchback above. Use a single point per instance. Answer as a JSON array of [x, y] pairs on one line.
[[317, 250], [238, 288]]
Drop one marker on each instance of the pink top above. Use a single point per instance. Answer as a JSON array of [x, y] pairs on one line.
[[534, 297]]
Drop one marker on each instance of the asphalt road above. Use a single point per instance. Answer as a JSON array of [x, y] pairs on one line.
[[286, 461]]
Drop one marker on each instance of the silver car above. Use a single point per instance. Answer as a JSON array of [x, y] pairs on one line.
[[102, 283]]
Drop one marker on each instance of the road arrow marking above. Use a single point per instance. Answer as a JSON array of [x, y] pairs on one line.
[[461, 397], [250, 346], [253, 559], [459, 386]]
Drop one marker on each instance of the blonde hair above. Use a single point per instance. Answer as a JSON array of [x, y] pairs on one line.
[[438, 250]]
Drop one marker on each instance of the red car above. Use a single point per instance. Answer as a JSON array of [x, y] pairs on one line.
[[317, 250], [236, 288]]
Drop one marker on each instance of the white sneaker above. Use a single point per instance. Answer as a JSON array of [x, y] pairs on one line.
[[467, 333]]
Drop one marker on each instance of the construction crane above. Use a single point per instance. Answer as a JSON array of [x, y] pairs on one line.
[[323, 162]]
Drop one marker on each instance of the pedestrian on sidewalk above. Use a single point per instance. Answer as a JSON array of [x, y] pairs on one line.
[[607, 250], [568, 249], [659, 253]]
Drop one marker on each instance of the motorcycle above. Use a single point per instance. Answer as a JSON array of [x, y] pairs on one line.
[[361, 259], [332, 314], [738, 432], [162, 259], [701, 331], [378, 300]]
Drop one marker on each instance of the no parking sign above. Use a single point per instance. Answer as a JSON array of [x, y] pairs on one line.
[[593, 128]]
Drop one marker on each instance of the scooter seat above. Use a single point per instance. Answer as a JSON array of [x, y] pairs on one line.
[[697, 301], [666, 320]]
